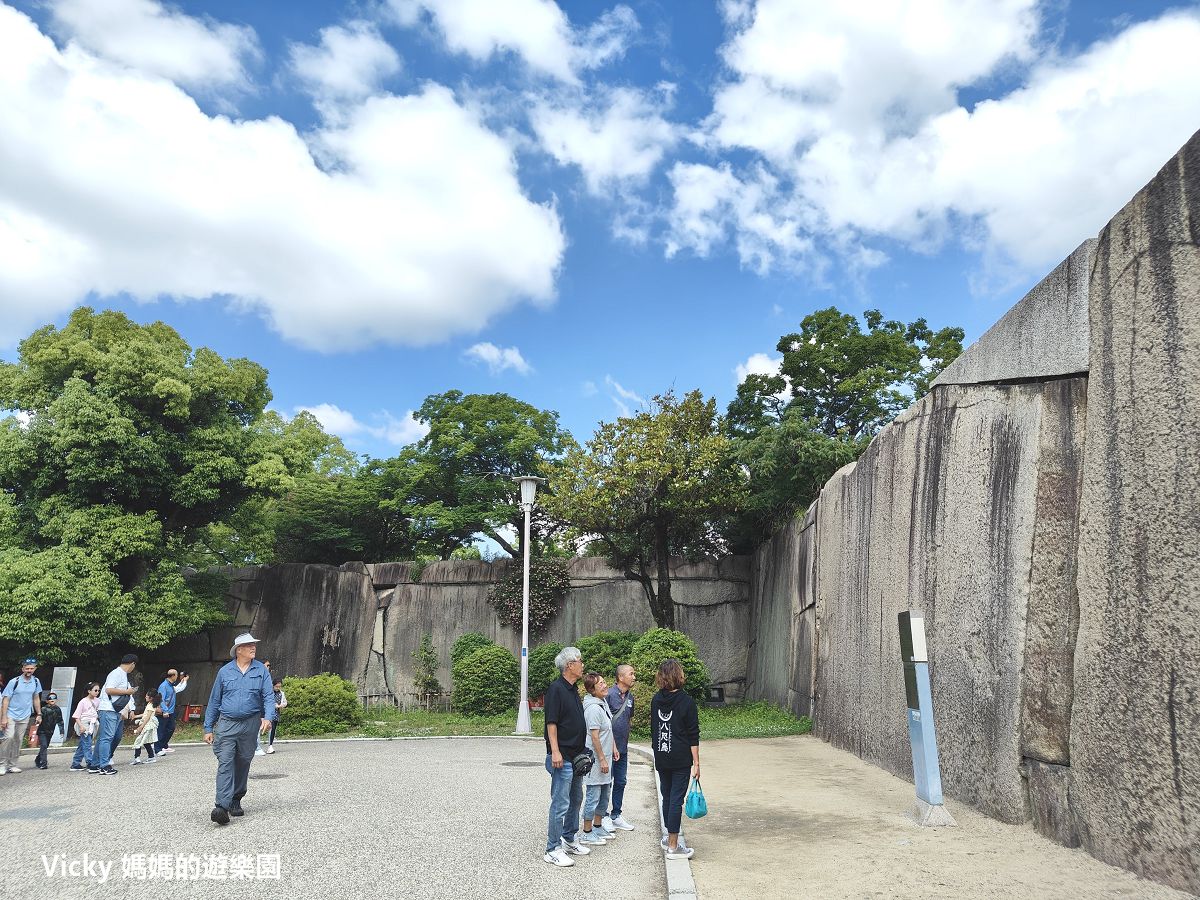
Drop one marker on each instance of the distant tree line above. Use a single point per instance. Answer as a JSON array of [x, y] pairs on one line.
[[126, 456]]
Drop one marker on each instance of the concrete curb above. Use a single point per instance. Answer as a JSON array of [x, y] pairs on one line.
[[680, 883], [406, 737]]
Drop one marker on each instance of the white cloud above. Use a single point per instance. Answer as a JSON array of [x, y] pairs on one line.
[[622, 139], [498, 359], [622, 396], [413, 228], [397, 431], [852, 118], [350, 61], [155, 39], [589, 389], [762, 364], [537, 31]]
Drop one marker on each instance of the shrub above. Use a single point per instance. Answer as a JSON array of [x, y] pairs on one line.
[[542, 670], [658, 644], [425, 678], [643, 693], [605, 650], [487, 682], [320, 704], [548, 586], [468, 644]]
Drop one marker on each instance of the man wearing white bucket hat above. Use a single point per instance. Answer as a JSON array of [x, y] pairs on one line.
[[240, 707]]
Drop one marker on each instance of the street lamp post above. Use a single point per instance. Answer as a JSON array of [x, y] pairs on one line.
[[529, 485]]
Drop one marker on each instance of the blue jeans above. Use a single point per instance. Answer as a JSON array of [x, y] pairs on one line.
[[620, 771], [596, 800], [84, 751], [110, 731], [566, 795], [672, 785]]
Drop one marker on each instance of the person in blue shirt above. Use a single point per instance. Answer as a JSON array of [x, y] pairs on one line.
[[172, 684], [22, 696], [240, 707]]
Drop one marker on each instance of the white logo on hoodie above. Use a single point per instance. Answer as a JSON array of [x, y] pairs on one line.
[[664, 731]]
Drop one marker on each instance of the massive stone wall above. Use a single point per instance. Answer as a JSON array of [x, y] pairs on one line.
[[1042, 508], [364, 621]]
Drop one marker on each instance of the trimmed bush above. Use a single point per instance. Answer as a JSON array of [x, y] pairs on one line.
[[658, 644], [643, 693], [468, 644], [487, 683], [542, 670], [322, 703], [605, 650]]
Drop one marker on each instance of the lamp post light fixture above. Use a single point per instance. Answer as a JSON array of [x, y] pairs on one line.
[[529, 485]]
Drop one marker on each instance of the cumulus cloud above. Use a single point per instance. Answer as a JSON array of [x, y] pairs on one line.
[[762, 364], [498, 359], [620, 139], [855, 129], [349, 62], [387, 427], [155, 39], [413, 227], [537, 31]]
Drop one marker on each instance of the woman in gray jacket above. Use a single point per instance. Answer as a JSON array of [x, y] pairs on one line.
[[598, 718]]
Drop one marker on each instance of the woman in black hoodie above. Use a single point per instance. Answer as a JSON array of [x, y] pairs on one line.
[[675, 736]]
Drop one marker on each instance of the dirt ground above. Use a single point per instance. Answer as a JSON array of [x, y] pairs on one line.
[[794, 817]]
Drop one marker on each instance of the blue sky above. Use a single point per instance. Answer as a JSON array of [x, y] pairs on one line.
[[581, 204]]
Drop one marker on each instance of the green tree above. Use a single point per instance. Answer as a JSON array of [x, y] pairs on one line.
[[456, 482], [549, 583], [128, 445], [837, 386], [650, 486], [425, 678], [542, 670]]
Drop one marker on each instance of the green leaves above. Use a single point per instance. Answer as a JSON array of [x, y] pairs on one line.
[[549, 582]]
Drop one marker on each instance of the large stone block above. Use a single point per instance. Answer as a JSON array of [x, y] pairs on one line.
[[1044, 335], [1135, 728]]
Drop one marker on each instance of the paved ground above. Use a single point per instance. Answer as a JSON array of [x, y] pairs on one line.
[[398, 819], [794, 817]]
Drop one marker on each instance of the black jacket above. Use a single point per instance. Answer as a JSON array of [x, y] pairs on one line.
[[674, 729], [51, 718]]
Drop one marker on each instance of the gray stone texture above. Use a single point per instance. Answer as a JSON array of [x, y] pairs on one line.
[[1135, 729], [1045, 334]]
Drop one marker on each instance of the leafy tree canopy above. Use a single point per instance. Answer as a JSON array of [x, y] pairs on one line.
[[126, 445], [456, 482], [650, 486]]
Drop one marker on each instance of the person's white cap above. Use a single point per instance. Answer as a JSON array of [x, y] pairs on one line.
[[244, 638]]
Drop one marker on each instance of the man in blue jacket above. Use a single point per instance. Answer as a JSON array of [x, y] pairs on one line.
[[240, 707]]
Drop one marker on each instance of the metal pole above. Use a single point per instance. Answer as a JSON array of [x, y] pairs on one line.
[[523, 723]]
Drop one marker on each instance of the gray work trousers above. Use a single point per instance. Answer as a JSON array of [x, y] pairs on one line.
[[233, 744], [10, 742]]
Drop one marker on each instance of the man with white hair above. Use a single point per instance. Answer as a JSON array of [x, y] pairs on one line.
[[565, 734], [241, 707]]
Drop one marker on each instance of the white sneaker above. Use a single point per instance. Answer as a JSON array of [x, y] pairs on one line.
[[679, 853], [270, 749], [681, 842], [136, 762], [558, 858], [3, 770], [168, 750], [13, 769], [618, 823], [576, 848], [152, 759], [591, 838], [260, 752]]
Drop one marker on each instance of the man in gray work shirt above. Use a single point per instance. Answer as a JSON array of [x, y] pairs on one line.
[[240, 707]]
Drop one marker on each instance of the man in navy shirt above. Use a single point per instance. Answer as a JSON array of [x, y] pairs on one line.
[[565, 733], [171, 685], [240, 707]]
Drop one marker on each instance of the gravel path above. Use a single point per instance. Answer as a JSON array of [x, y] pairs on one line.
[[437, 818]]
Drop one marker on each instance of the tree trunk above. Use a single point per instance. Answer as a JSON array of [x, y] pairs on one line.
[[664, 608]]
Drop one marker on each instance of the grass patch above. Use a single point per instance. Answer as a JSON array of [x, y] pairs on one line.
[[746, 720]]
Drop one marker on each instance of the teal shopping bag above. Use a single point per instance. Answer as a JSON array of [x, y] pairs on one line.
[[695, 806]]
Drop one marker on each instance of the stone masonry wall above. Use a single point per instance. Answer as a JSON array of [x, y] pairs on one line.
[[1041, 506]]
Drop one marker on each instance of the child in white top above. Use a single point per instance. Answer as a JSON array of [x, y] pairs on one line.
[[146, 733]]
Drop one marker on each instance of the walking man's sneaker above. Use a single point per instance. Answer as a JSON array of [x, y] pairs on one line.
[[260, 752], [13, 769], [575, 848], [220, 815], [558, 858], [108, 770], [680, 853], [270, 749], [93, 770], [75, 768], [136, 762], [591, 838], [619, 823], [3, 770]]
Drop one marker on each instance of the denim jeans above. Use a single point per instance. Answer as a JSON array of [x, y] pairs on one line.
[[596, 800], [620, 772], [83, 752], [672, 785], [566, 795], [110, 730], [166, 728]]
